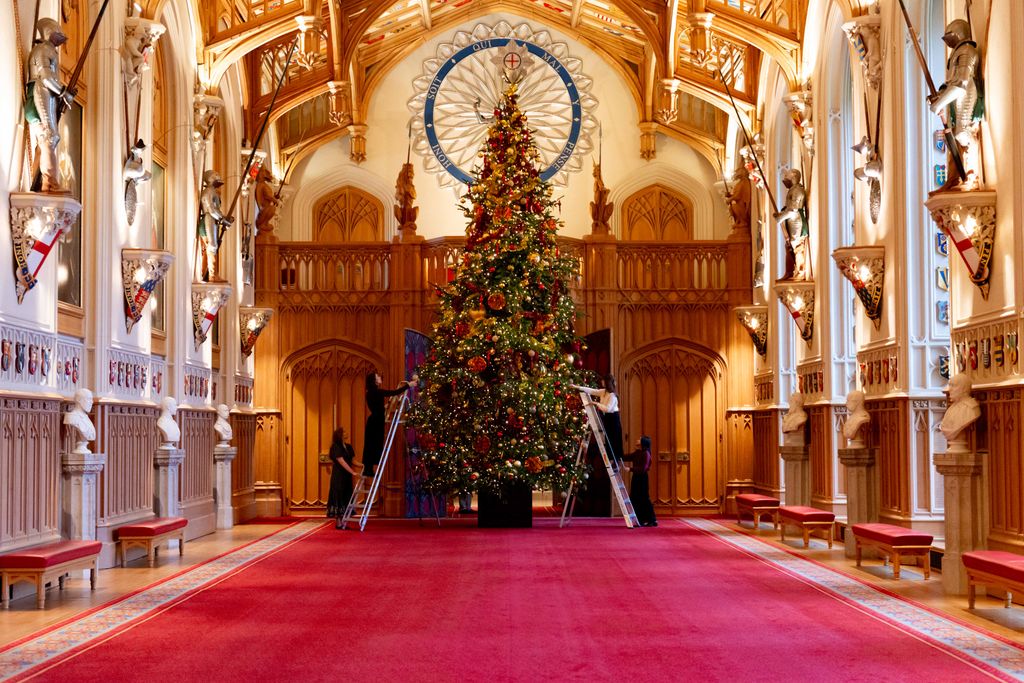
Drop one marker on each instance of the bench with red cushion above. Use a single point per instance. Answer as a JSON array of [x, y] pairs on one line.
[[996, 568], [43, 563], [756, 505], [896, 542], [149, 535], [808, 519]]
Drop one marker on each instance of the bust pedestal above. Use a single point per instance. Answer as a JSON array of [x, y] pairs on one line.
[[78, 498], [861, 488], [167, 462], [223, 455], [961, 471], [795, 454]]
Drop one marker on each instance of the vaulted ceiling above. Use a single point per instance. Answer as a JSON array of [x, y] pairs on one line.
[[669, 52]]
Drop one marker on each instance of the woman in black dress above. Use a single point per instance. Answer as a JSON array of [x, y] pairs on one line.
[[342, 471], [373, 437], [639, 486]]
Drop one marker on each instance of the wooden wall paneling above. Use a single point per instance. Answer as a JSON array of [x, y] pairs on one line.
[[927, 487], [270, 448], [740, 456], [998, 433], [197, 471], [30, 471], [243, 472], [828, 476], [767, 463], [890, 425]]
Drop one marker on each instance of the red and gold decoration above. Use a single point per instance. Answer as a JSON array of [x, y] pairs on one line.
[[969, 218], [798, 298], [754, 320], [141, 271], [504, 348], [251, 322], [207, 299], [864, 267], [37, 222]]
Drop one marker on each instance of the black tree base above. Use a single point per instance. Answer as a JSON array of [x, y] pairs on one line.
[[512, 509]]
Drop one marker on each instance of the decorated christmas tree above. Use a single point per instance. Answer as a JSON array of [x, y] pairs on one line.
[[498, 409]]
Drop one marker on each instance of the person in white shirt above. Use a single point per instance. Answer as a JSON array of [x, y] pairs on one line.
[[608, 403]]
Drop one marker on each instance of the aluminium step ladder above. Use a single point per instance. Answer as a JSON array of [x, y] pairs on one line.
[[595, 426], [365, 492]]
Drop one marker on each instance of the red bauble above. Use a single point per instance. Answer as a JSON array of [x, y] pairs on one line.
[[477, 364], [462, 328], [496, 301], [481, 444]]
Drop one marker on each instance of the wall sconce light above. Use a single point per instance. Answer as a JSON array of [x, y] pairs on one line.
[[251, 322], [798, 298], [969, 219], [141, 271], [37, 222], [754, 320], [864, 267], [207, 299]]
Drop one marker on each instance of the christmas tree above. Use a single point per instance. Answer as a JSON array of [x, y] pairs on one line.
[[498, 408]]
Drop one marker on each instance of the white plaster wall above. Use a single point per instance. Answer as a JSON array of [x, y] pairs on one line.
[[388, 115]]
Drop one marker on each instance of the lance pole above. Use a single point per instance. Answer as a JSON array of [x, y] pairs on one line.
[[80, 64], [750, 143]]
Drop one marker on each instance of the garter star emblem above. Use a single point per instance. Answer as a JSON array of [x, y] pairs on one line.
[[461, 86]]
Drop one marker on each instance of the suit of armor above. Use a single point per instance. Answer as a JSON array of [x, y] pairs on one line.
[[794, 215], [211, 220], [43, 95], [962, 91]]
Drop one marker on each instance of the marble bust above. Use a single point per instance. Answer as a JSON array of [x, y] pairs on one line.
[[795, 417], [166, 422], [222, 426], [858, 415], [963, 409], [78, 419]]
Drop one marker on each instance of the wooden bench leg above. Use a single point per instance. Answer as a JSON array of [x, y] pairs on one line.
[[775, 519], [1009, 599], [181, 544], [739, 515], [151, 554], [782, 533], [831, 533], [40, 591], [858, 553], [5, 599], [926, 564], [60, 581], [92, 576], [807, 537], [896, 564], [971, 593]]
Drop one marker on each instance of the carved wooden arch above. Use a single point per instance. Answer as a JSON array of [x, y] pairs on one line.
[[690, 356], [331, 355], [657, 213], [348, 214]]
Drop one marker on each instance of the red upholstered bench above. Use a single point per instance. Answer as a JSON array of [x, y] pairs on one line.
[[756, 505], [807, 519], [150, 534], [994, 568], [896, 542], [44, 563]]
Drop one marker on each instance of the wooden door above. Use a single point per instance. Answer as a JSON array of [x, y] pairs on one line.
[[324, 389], [672, 391]]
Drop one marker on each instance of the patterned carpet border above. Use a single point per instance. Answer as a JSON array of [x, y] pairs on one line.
[[50, 644], [969, 642]]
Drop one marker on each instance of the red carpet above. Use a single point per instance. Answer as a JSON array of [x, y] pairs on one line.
[[404, 602]]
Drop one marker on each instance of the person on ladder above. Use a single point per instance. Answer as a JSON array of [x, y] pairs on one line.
[[373, 437], [608, 403], [342, 471], [639, 485]]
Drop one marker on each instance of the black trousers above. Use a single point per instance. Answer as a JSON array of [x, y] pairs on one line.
[[640, 495]]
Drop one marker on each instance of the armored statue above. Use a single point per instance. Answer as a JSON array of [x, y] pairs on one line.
[[266, 199], [600, 209], [738, 199], [962, 94], [405, 196], [794, 215], [45, 96], [212, 221]]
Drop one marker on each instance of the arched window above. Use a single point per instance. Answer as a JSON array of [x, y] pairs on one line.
[[657, 213], [348, 215]]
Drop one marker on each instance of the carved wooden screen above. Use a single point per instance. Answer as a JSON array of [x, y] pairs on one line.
[[325, 389], [29, 471], [766, 451], [889, 425], [657, 213], [348, 215], [672, 394], [998, 434]]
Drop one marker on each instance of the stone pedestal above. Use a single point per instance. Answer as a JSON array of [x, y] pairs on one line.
[[861, 488], [167, 461], [78, 497], [961, 470], [795, 454], [223, 454]]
